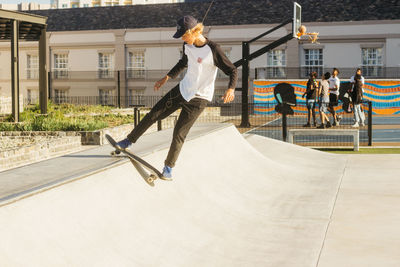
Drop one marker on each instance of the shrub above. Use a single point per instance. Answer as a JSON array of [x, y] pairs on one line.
[[66, 117]]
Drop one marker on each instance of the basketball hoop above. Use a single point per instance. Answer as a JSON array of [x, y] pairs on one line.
[[312, 36]]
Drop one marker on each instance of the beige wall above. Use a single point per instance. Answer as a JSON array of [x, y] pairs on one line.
[[243, 32], [339, 54], [81, 38], [367, 28], [341, 43], [393, 52], [5, 67]]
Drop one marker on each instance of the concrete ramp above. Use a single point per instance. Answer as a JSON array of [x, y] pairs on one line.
[[231, 203]]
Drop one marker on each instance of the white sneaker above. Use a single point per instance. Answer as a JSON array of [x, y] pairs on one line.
[[362, 124], [355, 125]]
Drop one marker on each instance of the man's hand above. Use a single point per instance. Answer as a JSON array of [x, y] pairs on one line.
[[160, 83], [229, 95]]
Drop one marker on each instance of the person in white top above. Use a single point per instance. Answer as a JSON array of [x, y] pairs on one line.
[[323, 93], [334, 86], [358, 71], [202, 58]]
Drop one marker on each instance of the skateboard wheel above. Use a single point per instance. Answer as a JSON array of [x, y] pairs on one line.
[[150, 179], [115, 153]]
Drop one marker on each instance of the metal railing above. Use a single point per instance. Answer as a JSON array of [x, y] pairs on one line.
[[369, 72], [32, 74], [263, 118], [129, 74]]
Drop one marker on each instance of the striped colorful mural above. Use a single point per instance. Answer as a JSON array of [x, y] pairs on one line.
[[384, 94]]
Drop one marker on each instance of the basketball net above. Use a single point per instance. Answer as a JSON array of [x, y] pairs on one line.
[[312, 36]]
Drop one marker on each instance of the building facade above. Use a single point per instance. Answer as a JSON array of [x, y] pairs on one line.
[[107, 63], [57, 4], [25, 6]]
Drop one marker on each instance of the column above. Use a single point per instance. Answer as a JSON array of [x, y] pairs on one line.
[[43, 92], [15, 70]]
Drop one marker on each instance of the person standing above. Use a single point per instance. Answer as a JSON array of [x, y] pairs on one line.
[[311, 98], [324, 101], [357, 95], [358, 72], [334, 86], [202, 58]]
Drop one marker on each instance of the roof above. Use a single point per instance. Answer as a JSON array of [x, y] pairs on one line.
[[30, 25], [222, 12]]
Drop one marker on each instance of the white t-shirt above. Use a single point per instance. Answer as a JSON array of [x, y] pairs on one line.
[[202, 64], [324, 91], [333, 82], [362, 80], [201, 73]]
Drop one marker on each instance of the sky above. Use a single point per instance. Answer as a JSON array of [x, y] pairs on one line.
[[24, 1]]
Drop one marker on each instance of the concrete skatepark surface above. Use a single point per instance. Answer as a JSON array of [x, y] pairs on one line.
[[235, 201]]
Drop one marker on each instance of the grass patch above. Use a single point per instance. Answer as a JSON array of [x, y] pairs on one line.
[[362, 150], [66, 117]]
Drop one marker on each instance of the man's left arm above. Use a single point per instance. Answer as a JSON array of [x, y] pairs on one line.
[[224, 64]]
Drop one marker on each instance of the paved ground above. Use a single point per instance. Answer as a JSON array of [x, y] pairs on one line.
[[234, 201], [23, 180]]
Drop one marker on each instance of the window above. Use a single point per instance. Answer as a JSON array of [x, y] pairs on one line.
[[60, 66], [372, 62], [276, 62], [227, 53], [136, 68], [32, 67], [105, 65], [313, 62], [85, 5], [60, 96], [31, 96], [64, 5], [74, 5], [135, 97], [106, 97]]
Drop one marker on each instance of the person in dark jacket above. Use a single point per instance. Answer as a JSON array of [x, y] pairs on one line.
[[311, 98], [357, 96]]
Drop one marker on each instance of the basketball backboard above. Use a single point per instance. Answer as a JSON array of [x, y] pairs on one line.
[[296, 19]]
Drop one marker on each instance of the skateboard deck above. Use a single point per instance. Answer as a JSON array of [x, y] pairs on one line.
[[140, 164]]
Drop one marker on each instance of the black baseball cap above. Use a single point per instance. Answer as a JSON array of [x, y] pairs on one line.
[[183, 24]]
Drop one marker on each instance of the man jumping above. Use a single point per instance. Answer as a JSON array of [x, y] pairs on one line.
[[202, 58]]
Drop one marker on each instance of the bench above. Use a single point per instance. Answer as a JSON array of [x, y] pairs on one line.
[[326, 132]]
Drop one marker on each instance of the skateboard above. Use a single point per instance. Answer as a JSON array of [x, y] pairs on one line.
[[142, 166]]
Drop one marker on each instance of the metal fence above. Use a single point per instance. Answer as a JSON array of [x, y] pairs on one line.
[[276, 126], [127, 89], [282, 72], [269, 124]]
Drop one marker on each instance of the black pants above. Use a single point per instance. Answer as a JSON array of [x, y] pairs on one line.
[[171, 102]]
